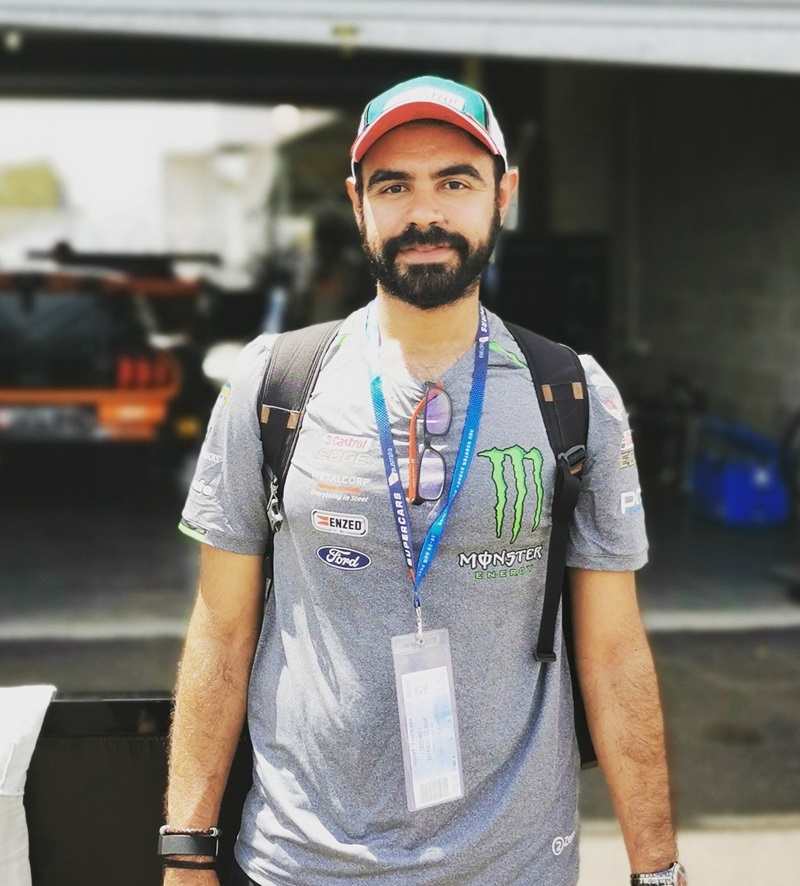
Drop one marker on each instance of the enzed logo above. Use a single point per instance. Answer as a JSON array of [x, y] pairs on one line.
[[342, 524], [518, 459]]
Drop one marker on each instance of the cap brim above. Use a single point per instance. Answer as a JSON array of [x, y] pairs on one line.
[[412, 111]]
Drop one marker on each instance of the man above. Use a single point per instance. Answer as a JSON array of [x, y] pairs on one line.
[[402, 731]]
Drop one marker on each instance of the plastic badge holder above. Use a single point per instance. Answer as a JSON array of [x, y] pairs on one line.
[[428, 722]]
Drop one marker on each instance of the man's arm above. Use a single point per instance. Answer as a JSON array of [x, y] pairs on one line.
[[618, 682], [211, 694]]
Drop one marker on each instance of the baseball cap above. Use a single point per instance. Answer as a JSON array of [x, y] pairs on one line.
[[429, 98]]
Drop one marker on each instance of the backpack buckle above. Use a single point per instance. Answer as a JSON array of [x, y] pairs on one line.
[[574, 459], [544, 657], [274, 514]]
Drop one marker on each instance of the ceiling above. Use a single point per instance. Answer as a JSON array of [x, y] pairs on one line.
[[115, 65], [756, 35]]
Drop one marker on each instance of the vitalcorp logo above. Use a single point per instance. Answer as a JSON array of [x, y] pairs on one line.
[[561, 843], [517, 458], [343, 558]]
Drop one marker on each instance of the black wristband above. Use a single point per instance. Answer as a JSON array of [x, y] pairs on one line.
[[189, 865], [187, 843]]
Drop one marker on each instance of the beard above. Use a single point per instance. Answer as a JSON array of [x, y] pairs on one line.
[[430, 285]]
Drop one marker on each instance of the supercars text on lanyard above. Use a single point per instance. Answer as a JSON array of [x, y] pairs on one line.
[[469, 436]]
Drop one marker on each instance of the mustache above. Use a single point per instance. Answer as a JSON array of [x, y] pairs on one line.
[[432, 236]]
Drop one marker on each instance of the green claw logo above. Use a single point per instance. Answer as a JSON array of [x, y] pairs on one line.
[[517, 457]]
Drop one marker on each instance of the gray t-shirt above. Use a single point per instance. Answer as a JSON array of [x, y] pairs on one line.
[[328, 805]]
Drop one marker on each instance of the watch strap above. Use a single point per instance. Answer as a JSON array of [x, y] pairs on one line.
[[674, 875], [188, 844]]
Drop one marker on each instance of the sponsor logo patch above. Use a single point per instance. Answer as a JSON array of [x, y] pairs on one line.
[[342, 487], [561, 843], [631, 502], [627, 457], [341, 524], [513, 499], [605, 392], [202, 488], [427, 94], [343, 456], [487, 565], [344, 441], [343, 558], [610, 401], [329, 479]]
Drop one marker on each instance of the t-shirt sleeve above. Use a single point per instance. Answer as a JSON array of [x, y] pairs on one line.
[[608, 531], [226, 505]]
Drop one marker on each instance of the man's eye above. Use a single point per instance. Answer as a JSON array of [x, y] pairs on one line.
[[454, 185], [393, 189]]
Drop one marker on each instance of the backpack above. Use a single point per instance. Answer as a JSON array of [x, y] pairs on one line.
[[560, 383]]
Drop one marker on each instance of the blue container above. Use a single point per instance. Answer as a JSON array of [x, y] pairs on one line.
[[737, 479]]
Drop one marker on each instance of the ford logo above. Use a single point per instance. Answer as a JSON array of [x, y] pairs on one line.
[[343, 558]]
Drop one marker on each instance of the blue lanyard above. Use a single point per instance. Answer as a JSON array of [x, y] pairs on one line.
[[469, 437]]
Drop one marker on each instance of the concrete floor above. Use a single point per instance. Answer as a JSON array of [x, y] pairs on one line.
[[96, 585]]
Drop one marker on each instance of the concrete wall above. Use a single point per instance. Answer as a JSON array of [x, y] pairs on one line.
[[581, 108], [696, 179], [720, 210]]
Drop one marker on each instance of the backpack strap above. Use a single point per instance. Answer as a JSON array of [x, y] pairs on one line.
[[560, 384], [292, 371]]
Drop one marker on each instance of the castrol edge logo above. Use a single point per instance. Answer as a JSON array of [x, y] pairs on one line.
[[346, 441]]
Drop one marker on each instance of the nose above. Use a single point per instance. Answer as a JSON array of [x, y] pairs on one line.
[[425, 209]]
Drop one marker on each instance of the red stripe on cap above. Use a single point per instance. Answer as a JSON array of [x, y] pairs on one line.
[[407, 113]]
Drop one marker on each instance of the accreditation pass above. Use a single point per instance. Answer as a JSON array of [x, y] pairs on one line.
[[428, 725]]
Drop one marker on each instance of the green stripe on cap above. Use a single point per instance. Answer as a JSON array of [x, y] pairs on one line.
[[429, 97], [429, 89]]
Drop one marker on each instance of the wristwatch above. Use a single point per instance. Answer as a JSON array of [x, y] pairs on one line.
[[188, 842], [674, 875]]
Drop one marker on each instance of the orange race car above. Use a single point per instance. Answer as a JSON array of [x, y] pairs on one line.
[[83, 357]]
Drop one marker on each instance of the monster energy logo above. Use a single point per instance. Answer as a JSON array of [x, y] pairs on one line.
[[517, 457]]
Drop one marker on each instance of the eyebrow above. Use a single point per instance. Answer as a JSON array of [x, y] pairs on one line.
[[396, 175], [460, 169], [386, 175]]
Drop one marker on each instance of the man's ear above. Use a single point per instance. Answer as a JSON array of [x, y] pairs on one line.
[[352, 193], [506, 190]]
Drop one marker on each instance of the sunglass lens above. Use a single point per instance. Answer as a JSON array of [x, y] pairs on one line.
[[437, 416], [431, 475]]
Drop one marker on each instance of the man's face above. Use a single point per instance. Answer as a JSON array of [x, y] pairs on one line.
[[430, 212]]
